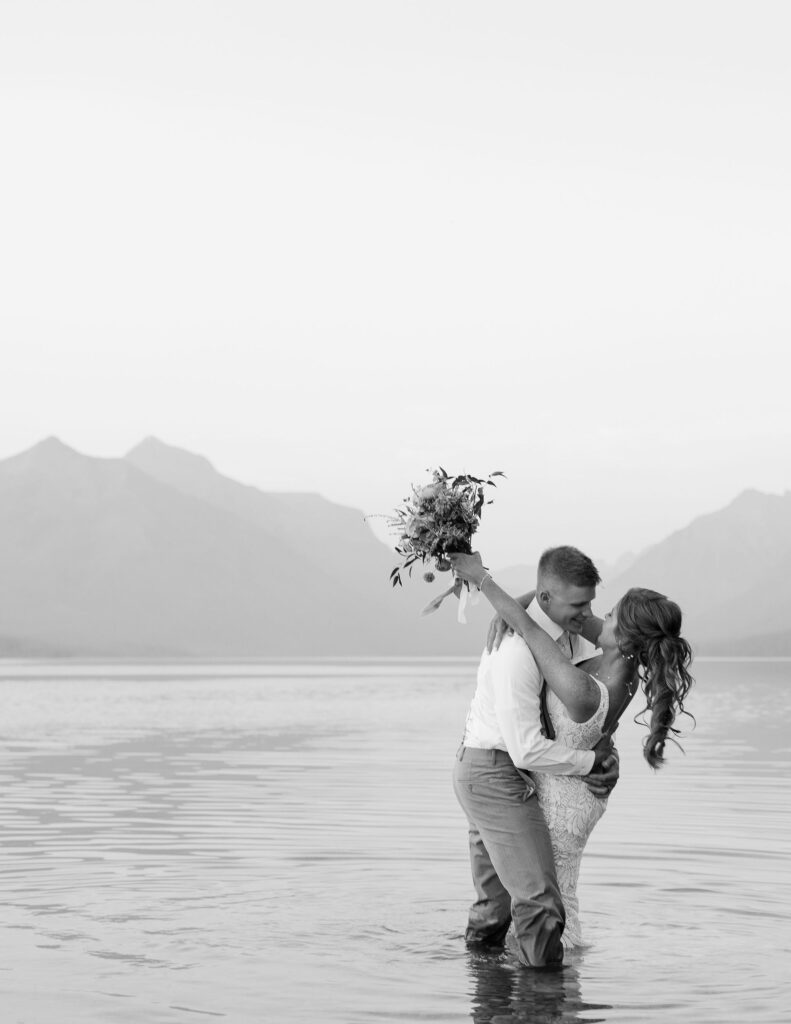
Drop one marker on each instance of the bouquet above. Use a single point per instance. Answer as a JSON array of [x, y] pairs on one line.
[[440, 517]]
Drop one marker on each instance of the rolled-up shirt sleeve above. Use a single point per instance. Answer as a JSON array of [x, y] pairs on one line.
[[517, 694]]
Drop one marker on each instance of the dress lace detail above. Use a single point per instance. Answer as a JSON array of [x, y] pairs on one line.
[[569, 807]]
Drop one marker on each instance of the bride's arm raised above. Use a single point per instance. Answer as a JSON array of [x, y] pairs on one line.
[[572, 685]]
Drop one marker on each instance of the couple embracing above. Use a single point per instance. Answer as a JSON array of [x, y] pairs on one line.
[[537, 762]]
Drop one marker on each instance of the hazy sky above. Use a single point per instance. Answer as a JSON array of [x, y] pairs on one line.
[[329, 244]]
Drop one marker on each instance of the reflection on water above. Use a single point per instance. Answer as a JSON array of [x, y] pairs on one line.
[[502, 991], [281, 842]]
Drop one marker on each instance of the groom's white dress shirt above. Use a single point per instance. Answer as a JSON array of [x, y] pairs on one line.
[[505, 713]]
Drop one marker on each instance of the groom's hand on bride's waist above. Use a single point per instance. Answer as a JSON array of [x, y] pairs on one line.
[[604, 774]]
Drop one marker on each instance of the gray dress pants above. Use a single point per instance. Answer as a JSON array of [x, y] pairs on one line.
[[511, 858]]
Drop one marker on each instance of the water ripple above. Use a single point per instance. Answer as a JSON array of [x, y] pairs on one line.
[[196, 840]]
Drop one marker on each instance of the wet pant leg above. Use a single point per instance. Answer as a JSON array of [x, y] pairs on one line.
[[510, 856]]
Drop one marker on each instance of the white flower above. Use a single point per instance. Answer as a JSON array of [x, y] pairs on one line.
[[429, 491]]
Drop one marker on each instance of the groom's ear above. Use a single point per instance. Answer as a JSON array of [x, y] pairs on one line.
[[543, 598]]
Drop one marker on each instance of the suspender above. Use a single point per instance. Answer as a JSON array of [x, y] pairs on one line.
[[546, 722]]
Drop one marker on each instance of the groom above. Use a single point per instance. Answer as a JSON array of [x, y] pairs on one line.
[[510, 851]]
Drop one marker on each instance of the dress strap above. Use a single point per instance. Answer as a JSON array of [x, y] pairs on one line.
[[604, 702]]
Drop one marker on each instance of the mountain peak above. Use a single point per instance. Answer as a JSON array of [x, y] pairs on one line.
[[54, 445], [748, 494], [752, 502], [753, 494], [153, 455], [46, 454]]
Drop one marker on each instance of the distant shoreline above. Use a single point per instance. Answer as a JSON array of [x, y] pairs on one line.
[[335, 659]]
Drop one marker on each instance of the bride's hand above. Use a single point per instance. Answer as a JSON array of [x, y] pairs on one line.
[[467, 567], [498, 628]]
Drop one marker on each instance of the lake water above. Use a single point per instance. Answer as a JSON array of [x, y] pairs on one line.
[[280, 842]]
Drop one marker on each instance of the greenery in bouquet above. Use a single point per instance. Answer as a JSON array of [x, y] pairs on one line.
[[438, 518]]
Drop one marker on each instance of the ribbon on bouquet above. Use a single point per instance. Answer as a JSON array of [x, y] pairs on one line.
[[466, 598]]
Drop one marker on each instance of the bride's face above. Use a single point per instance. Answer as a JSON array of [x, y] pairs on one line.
[[607, 637]]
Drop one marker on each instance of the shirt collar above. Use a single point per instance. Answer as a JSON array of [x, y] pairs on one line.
[[540, 617]]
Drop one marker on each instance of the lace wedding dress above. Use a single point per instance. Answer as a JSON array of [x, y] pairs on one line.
[[569, 807]]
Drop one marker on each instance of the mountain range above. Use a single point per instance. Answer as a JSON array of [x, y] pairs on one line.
[[158, 555], [729, 571]]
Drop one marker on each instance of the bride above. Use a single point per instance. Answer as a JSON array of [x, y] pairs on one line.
[[641, 646]]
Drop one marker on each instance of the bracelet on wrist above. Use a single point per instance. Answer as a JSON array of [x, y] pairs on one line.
[[486, 576]]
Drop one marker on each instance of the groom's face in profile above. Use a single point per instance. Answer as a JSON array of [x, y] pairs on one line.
[[565, 603]]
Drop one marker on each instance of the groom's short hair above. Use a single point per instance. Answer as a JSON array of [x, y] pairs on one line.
[[569, 565]]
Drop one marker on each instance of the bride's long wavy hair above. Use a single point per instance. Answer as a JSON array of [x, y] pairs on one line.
[[649, 630]]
